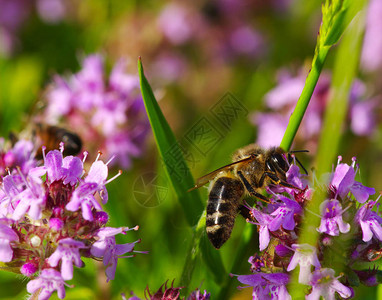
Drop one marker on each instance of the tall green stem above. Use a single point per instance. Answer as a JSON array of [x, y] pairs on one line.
[[306, 94], [344, 71]]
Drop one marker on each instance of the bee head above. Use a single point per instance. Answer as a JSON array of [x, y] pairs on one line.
[[72, 142], [277, 162]]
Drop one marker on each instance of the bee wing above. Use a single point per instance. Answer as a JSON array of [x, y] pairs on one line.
[[206, 178]]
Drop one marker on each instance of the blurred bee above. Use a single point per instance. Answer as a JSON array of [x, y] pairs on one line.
[[51, 137], [252, 170]]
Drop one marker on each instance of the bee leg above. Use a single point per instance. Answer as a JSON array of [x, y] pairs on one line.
[[276, 180], [245, 212], [250, 189]]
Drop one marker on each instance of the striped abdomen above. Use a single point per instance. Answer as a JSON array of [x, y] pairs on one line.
[[223, 202]]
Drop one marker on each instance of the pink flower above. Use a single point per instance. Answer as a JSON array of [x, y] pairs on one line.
[[49, 235], [83, 197], [31, 200], [267, 283], [107, 248], [176, 23], [7, 235], [343, 181], [264, 221], [49, 281], [68, 253], [370, 222], [372, 43], [68, 169], [270, 128], [326, 285], [331, 222], [113, 105], [305, 255]]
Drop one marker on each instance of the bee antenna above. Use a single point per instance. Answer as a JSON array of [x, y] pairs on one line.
[[298, 151], [299, 162]]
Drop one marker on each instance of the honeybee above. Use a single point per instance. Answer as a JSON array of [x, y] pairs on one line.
[[51, 136], [252, 170]]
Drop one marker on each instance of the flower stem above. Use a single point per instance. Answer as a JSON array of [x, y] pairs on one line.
[[306, 94], [344, 71]]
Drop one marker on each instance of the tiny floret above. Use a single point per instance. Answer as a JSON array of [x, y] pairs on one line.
[[107, 248], [68, 252], [7, 236], [326, 285], [332, 222], [28, 269], [49, 281], [305, 255], [370, 222]]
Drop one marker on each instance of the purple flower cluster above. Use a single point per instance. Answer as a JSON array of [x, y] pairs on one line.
[[171, 293], [282, 99], [50, 217], [222, 32], [109, 112], [223, 24], [347, 214]]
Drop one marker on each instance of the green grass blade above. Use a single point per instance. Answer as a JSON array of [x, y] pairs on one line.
[[176, 168], [190, 201]]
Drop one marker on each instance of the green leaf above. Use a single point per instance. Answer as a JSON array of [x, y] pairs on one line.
[[176, 167], [190, 201]]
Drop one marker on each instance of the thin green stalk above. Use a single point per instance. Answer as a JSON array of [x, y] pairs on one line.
[[344, 71], [306, 94], [336, 16]]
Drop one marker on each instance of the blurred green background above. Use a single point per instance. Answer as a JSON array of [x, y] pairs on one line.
[[142, 196]]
